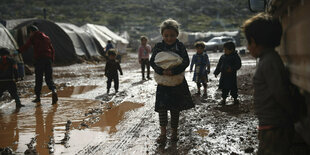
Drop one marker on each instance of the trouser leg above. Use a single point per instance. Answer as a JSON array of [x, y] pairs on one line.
[[116, 83], [143, 68], [234, 92], [39, 70], [163, 118], [3, 87], [13, 92], [175, 114], [49, 75], [109, 83], [225, 93], [148, 68]]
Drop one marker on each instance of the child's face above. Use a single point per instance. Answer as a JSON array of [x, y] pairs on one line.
[[227, 51], [169, 36], [199, 50], [143, 41], [254, 49], [112, 57]]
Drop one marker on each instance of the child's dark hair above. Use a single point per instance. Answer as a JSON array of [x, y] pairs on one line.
[[230, 46], [32, 28], [112, 52], [4, 51], [199, 44], [143, 37], [265, 30], [170, 24], [109, 41]]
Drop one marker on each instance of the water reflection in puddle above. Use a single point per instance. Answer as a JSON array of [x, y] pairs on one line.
[[45, 121], [71, 90]]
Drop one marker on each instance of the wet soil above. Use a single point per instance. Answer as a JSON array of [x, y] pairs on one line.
[[86, 120]]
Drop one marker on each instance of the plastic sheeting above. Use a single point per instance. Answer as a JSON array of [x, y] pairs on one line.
[[83, 42], [103, 34], [168, 60]]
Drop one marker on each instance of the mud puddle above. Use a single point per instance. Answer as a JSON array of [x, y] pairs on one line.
[[70, 90], [59, 128]]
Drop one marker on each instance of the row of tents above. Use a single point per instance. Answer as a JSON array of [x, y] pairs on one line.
[[70, 42]]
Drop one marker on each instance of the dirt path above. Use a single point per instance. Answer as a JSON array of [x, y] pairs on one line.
[[125, 123]]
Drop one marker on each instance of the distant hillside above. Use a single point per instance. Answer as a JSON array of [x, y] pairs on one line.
[[136, 16]]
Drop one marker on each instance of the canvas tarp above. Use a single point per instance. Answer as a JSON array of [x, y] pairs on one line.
[[64, 48], [7, 41], [103, 34], [83, 42]]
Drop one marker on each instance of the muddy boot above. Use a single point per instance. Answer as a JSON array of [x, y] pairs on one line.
[[236, 101], [108, 90], [54, 97], [174, 135], [205, 92], [223, 102], [162, 138], [37, 99], [19, 105], [149, 78], [198, 91]]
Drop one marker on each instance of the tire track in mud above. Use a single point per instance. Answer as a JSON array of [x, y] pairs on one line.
[[128, 132]]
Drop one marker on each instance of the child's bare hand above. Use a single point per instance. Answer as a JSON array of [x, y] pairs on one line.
[[229, 70], [167, 72]]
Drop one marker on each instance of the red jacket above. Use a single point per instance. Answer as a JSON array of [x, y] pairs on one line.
[[42, 46]]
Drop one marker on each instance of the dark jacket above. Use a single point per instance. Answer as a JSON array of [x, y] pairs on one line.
[[228, 80], [273, 104], [8, 69], [42, 46], [176, 97], [111, 68]]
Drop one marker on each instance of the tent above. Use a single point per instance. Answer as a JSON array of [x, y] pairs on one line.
[[64, 48], [7, 41], [103, 34], [83, 42]]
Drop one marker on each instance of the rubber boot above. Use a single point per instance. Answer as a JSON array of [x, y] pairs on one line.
[[162, 138], [18, 104], [54, 97], [37, 99], [174, 135]]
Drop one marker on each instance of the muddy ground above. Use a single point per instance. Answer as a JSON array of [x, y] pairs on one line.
[[86, 120]]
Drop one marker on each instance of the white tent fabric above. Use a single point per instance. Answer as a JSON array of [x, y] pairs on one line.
[[7, 40], [103, 34], [83, 42]]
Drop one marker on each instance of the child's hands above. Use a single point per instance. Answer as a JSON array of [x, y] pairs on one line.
[[229, 69], [167, 72]]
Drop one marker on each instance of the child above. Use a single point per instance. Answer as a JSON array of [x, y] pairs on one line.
[[272, 101], [228, 65], [44, 56], [201, 62], [111, 68], [144, 52], [8, 73], [173, 98]]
